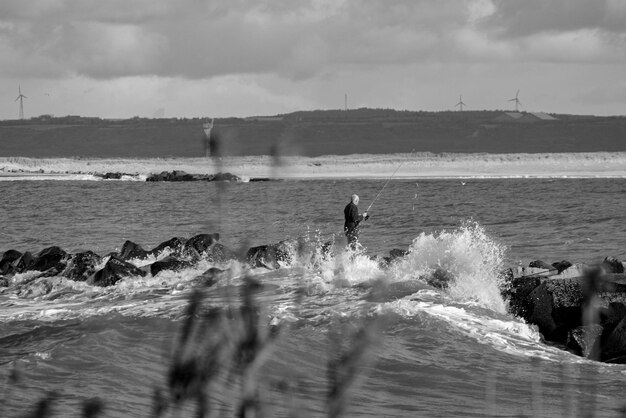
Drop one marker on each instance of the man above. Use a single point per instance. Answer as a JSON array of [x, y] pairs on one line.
[[351, 226]]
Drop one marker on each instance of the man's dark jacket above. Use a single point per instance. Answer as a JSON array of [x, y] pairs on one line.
[[351, 212]]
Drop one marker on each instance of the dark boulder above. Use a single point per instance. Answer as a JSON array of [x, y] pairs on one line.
[[539, 264], [225, 177], [268, 256], [517, 290], [49, 258], [173, 245], [169, 263], [615, 345], [561, 266], [612, 265], [262, 256], [23, 263], [114, 176], [587, 313], [157, 177], [131, 251], [200, 243], [81, 266], [8, 260], [440, 278], [218, 253], [176, 175], [114, 270], [556, 307], [585, 340], [208, 278], [288, 250]]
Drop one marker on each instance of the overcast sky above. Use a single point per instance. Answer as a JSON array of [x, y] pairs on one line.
[[124, 58]]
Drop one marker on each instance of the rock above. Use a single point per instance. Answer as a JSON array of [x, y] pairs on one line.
[[585, 340], [81, 266], [516, 291], [176, 175], [262, 256], [540, 264], [556, 307], [288, 250], [7, 261], [184, 176], [225, 177], [615, 345], [208, 278], [49, 258], [4, 282], [114, 270], [131, 251], [218, 253], [256, 179], [268, 256], [439, 278], [612, 265], [113, 176], [561, 266], [200, 243], [174, 245], [169, 263], [157, 177], [23, 263]]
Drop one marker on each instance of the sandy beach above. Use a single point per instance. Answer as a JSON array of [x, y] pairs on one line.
[[426, 165]]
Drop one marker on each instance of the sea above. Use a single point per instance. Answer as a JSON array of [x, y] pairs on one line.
[[335, 334]]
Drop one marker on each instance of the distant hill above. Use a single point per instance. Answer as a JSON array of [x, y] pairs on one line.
[[314, 133]]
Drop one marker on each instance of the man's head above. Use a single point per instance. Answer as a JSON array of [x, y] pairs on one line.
[[355, 199]]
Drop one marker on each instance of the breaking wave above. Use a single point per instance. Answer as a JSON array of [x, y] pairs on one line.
[[467, 259]]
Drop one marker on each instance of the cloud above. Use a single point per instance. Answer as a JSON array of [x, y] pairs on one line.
[[195, 39], [297, 39]]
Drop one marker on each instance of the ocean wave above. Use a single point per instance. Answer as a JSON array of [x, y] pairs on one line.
[[467, 259]]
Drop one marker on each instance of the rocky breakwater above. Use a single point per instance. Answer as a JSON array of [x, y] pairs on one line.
[[179, 175], [581, 308], [31, 274]]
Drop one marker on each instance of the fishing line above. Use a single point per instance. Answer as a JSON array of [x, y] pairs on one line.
[[383, 188]]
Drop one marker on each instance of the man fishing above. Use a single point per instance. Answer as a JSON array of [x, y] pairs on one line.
[[351, 226]]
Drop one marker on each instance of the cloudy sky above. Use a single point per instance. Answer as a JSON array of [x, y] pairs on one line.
[[124, 58]]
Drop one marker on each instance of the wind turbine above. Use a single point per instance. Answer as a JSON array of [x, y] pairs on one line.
[[460, 104], [21, 98], [516, 100]]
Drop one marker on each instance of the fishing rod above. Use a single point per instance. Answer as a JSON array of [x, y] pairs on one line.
[[383, 188]]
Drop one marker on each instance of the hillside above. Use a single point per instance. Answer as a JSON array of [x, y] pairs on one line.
[[314, 133]]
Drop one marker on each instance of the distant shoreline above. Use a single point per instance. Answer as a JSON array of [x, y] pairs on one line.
[[315, 134], [356, 166]]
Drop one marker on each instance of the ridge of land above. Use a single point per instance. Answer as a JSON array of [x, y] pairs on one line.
[[315, 133]]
